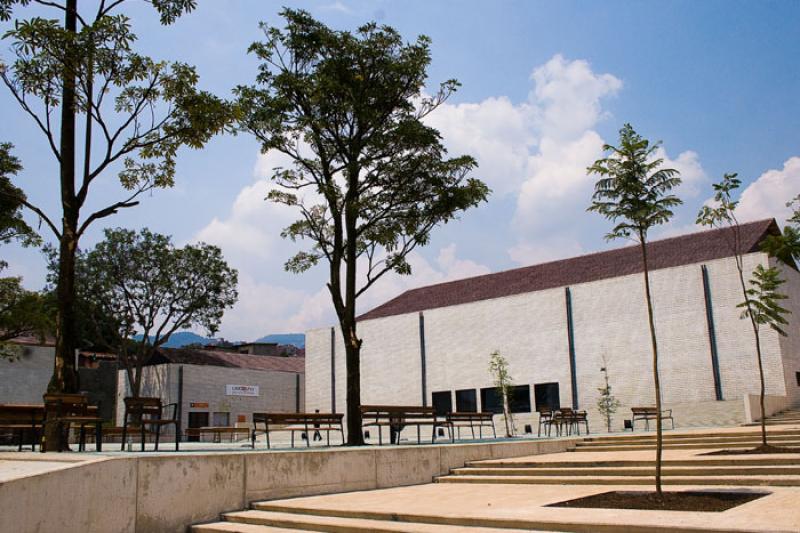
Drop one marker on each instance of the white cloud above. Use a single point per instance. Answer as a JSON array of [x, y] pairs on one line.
[[766, 197]]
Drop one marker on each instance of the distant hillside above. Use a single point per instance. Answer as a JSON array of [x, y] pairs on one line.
[[184, 338], [295, 339]]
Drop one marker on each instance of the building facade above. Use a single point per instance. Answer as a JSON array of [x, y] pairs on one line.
[[220, 388], [559, 323]]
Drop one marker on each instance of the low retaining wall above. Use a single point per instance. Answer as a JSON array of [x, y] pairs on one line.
[[167, 492], [772, 404]]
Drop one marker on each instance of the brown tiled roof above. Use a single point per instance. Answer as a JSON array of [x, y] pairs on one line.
[[664, 253], [188, 356]]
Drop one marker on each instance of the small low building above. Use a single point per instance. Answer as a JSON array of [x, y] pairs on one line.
[[220, 388]]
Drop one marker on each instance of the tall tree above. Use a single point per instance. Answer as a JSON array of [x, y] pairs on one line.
[[369, 178], [722, 214], [762, 307], [135, 113], [147, 286], [633, 191]]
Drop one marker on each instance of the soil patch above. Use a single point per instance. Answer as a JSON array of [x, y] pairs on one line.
[[760, 450], [702, 501]]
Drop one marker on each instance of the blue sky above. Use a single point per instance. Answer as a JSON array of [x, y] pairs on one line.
[[544, 85]]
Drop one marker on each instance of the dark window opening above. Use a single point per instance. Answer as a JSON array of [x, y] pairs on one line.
[[466, 401], [197, 420], [519, 400], [547, 396], [442, 402], [491, 401]]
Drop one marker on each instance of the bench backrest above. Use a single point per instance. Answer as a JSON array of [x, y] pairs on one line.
[[389, 413], [66, 404], [466, 416], [21, 414], [643, 410], [139, 407], [297, 418]]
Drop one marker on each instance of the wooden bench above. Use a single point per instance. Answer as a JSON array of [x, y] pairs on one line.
[[143, 412], [217, 432], [294, 422], [67, 409], [22, 418], [457, 420], [647, 414], [396, 417]]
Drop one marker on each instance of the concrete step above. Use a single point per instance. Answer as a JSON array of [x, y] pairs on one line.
[[293, 519], [448, 522], [233, 527], [698, 470], [679, 439], [669, 446], [727, 481], [741, 460]]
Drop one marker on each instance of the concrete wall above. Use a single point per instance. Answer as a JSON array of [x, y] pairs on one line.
[[207, 385], [772, 405], [25, 379], [610, 324], [167, 492]]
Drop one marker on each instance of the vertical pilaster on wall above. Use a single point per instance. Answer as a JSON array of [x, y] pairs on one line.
[[333, 370], [712, 336], [571, 344], [297, 393], [423, 371]]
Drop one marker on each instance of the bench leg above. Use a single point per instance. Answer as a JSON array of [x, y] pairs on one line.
[[308, 436], [480, 431], [98, 436], [177, 436], [158, 435], [292, 438]]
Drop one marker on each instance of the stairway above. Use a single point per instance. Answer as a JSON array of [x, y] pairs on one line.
[[578, 468], [691, 469]]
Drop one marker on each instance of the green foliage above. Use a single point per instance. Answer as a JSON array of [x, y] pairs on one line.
[[722, 212], [141, 283], [607, 403], [145, 110], [150, 286], [633, 190], [762, 304], [347, 108], [786, 246], [22, 313], [12, 226]]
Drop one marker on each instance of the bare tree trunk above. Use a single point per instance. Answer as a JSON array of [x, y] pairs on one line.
[[352, 348], [65, 376], [352, 343], [763, 389], [656, 381], [740, 268]]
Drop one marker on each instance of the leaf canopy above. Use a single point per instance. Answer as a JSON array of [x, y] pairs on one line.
[[633, 190], [367, 174]]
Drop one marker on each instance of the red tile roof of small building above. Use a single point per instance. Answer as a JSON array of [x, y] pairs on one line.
[[664, 253], [189, 356]]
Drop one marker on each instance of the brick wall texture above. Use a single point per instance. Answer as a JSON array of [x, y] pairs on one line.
[[610, 321]]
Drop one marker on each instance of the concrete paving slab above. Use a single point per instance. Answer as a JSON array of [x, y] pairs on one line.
[[521, 506]]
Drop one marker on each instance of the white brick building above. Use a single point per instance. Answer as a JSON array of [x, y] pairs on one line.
[[555, 322]]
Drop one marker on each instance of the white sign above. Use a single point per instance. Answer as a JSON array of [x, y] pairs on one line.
[[241, 390]]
